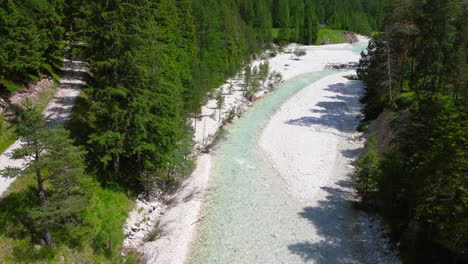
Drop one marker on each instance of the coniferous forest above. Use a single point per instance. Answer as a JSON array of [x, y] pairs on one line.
[[153, 49], [152, 64], [416, 73]]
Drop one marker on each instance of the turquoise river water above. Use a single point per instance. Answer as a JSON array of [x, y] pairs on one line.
[[249, 217]]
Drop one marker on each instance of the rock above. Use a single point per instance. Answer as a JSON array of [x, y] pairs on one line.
[[339, 66], [350, 37]]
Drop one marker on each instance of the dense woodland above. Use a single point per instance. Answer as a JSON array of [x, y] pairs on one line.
[[144, 57], [417, 72], [152, 64]]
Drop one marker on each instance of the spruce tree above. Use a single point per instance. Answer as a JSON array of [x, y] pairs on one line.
[[58, 168]]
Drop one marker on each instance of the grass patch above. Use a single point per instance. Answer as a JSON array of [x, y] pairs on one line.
[[50, 72], [45, 96], [97, 240], [7, 129], [7, 134], [404, 100], [330, 36], [325, 35], [9, 86], [275, 32]]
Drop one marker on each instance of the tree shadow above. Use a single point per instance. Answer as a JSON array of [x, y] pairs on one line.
[[19, 230], [332, 220], [73, 75], [352, 153], [340, 114]]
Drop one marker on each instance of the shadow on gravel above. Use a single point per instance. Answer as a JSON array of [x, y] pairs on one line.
[[332, 220], [339, 114], [352, 153], [72, 75]]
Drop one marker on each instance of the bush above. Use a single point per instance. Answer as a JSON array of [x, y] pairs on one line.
[[33, 78], [50, 72], [363, 126], [299, 52], [10, 87], [405, 100], [367, 174]]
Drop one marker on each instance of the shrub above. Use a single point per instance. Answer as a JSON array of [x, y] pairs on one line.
[[299, 52], [404, 100], [10, 87], [363, 126], [50, 72], [367, 171]]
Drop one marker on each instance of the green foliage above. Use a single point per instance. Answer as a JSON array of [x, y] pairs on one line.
[[372, 70], [367, 173], [330, 36], [299, 52], [275, 33], [219, 96], [258, 78], [48, 69], [152, 64], [32, 35], [105, 217], [10, 87], [298, 20], [264, 71], [96, 239], [362, 16], [405, 100], [363, 126], [58, 167], [419, 65]]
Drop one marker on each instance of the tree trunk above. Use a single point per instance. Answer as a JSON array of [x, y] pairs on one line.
[[41, 192], [389, 66], [219, 112], [116, 164]]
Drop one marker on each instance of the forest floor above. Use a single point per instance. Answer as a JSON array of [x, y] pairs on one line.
[[176, 226], [56, 113]]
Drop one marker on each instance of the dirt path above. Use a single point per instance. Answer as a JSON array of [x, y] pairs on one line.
[[57, 112]]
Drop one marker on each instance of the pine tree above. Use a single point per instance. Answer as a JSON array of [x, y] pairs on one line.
[[284, 22], [58, 167]]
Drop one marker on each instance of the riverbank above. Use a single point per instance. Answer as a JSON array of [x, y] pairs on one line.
[[177, 225], [316, 161]]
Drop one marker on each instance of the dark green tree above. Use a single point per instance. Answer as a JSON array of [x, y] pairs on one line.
[[58, 168]]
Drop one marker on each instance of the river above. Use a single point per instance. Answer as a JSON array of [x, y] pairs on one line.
[[253, 213]]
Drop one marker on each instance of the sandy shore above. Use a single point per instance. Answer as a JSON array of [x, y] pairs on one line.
[[178, 223]]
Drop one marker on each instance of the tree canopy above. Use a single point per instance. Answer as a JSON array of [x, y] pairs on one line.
[[417, 69]]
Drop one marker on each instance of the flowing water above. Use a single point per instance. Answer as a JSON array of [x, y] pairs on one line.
[[249, 216]]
